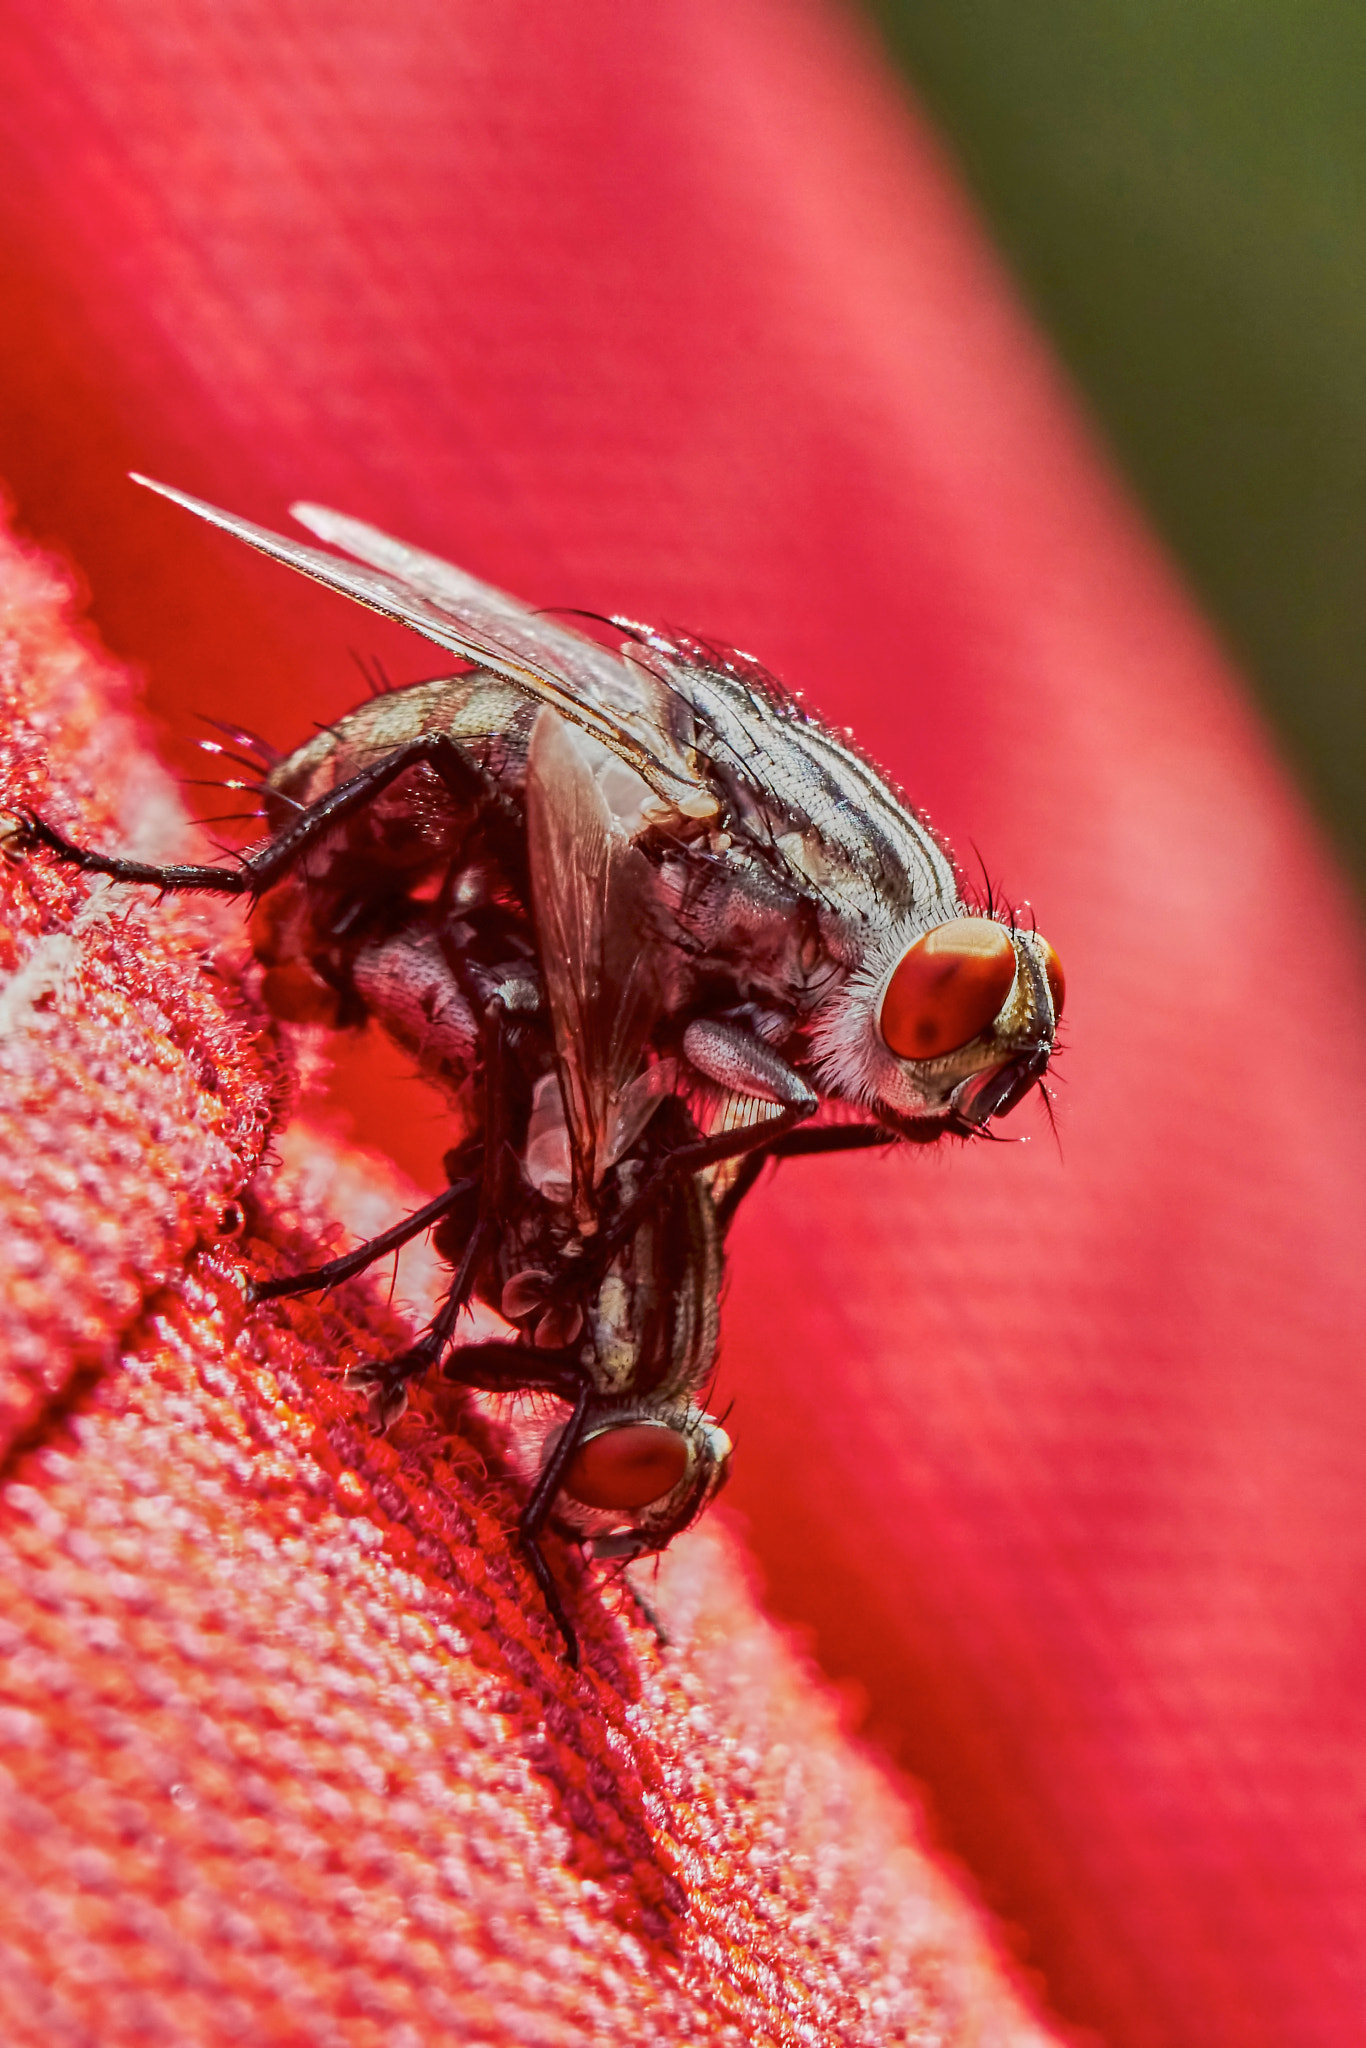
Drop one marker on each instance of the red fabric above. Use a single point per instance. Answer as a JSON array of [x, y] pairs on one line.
[[289, 1751], [672, 310]]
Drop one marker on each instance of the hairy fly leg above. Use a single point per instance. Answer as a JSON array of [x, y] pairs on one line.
[[536, 1513], [353, 1262], [738, 1061], [798, 1144], [260, 870], [649, 1613], [833, 1138], [518, 1368]]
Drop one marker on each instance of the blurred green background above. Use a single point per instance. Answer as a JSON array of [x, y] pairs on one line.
[[1180, 186]]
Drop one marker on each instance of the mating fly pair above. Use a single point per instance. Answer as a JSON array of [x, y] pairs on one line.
[[508, 951], [645, 919]]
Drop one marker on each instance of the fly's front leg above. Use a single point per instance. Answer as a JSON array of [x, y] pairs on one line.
[[536, 1513], [260, 870], [798, 1144], [337, 1270], [738, 1061], [502, 1368], [833, 1138], [518, 1368]]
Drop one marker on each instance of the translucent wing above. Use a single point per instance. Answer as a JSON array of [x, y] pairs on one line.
[[594, 674], [629, 711], [597, 926]]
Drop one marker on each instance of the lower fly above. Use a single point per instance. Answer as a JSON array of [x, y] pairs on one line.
[[567, 1209]]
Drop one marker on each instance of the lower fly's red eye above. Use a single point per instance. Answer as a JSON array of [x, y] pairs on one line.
[[947, 989], [627, 1467], [1057, 985]]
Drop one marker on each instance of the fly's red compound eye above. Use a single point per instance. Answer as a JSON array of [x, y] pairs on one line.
[[1057, 984], [627, 1467], [947, 989]]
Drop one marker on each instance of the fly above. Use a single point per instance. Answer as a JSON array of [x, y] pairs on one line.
[[615, 1297], [641, 917], [811, 932]]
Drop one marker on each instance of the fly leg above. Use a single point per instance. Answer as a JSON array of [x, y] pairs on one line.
[[693, 1157], [738, 1061], [261, 869], [650, 1614], [516, 1368], [797, 1144], [537, 1512], [389, 1377], [832, 1138], [337, 1270]]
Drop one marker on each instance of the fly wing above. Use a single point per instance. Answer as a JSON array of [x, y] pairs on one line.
[[594, 674], [623, 707], [597, 925]]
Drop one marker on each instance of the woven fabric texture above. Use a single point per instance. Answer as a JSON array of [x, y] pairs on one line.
[[288, 1750]]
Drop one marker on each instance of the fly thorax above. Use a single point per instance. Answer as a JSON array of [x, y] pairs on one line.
[[732, 901]]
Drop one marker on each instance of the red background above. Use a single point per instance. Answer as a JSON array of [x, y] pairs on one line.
[[673, 310]]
